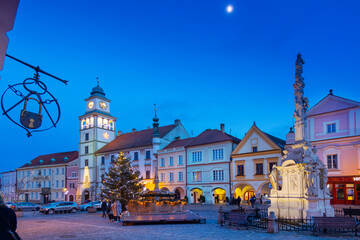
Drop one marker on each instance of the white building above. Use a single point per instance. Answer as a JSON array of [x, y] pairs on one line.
[[172, 167], [97, 128], [8, 186], [252, 161], [43, 179], [142, 147], [208, 166]]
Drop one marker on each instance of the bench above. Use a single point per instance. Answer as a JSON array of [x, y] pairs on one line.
[[351, 212], [235, 217], [343, 223]]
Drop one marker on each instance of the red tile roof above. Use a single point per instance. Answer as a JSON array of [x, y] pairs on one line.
[[179, 143], [53, 159], [134, 139], [212, 136]]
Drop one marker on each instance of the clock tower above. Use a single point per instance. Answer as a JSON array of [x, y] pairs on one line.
[[97, 128]]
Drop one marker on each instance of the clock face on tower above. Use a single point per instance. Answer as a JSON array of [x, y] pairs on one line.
[[103, 105], [90, 104]]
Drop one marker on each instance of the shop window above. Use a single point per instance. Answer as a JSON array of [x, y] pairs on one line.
[[332, 161]]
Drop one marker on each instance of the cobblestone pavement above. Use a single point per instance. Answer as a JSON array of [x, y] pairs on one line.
[[92, 226]]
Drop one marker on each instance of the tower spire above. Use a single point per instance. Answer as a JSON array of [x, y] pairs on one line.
[[156, 124]]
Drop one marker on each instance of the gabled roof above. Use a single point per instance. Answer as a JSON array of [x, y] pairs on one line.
[[52, 159], [179, 143], [281, 143], [134, 139], [274, 142], [332, 103], [212, 136]]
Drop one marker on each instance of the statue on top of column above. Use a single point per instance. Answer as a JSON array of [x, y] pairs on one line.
[[301, 102]]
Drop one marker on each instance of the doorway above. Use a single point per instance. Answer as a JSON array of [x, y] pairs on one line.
[[71, 198]]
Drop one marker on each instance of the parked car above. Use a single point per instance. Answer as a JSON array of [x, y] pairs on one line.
[[27, 206], [52, 208], [95, 204], [9, 204]]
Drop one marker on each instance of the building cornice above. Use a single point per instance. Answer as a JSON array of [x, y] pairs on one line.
[[252, 154]]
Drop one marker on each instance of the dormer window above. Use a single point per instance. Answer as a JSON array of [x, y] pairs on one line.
[[331, 128], [254, 149]]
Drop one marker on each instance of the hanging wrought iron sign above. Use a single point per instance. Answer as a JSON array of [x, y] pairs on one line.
[[32, 92]]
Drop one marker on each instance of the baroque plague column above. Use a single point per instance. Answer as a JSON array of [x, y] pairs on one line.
[[303, 193]]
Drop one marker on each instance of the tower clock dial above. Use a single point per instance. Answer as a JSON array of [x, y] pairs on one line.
[[90, 104], [103, 105]]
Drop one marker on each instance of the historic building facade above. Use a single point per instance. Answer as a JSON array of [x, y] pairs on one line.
[[97, 128], [172, 167], [334, 129], [142, 147], [252, 161], [8, 186], [43, 179], [208, 166], [72, 180]]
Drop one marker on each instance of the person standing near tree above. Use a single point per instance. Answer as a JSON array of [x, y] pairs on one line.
[[118, 210], [114, 210], [104, 208]]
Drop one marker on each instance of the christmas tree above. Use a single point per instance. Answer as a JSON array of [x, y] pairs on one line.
[[121, 182]]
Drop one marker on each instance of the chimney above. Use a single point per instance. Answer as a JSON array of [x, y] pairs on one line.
[[222, 127], [177, 122], [119, 133], [133, 130]]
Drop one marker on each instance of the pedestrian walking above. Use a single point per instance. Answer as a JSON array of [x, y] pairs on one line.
[[252, 201], [8, 222], [238, 201], [104, 207]]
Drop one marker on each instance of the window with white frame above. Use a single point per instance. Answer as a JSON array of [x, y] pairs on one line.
[[171, 161], [73, 174], [57, 183], [63, 171], [197, 176], [56, 195], [57, 171], [331, 128], [162, 162], [180, 160], [44, 172], [162, 177], [197, 156], [62, 183], [218, 175], [49, 171], [332, 161], [181, 177], [171, 177], [218, 154]]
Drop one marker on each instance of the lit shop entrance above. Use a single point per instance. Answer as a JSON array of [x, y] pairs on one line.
[[344, 190]]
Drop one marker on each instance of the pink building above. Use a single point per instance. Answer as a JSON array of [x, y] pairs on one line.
[[334, 128], [72, 178]]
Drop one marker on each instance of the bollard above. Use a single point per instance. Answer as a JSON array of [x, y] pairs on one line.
[[220, 215], [272, 224]]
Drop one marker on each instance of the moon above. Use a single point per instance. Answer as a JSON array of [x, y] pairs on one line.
[[229, 8]]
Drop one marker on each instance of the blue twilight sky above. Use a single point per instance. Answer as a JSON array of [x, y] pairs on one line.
[[196, 61]]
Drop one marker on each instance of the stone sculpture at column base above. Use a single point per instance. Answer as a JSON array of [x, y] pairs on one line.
[[303, 194]]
